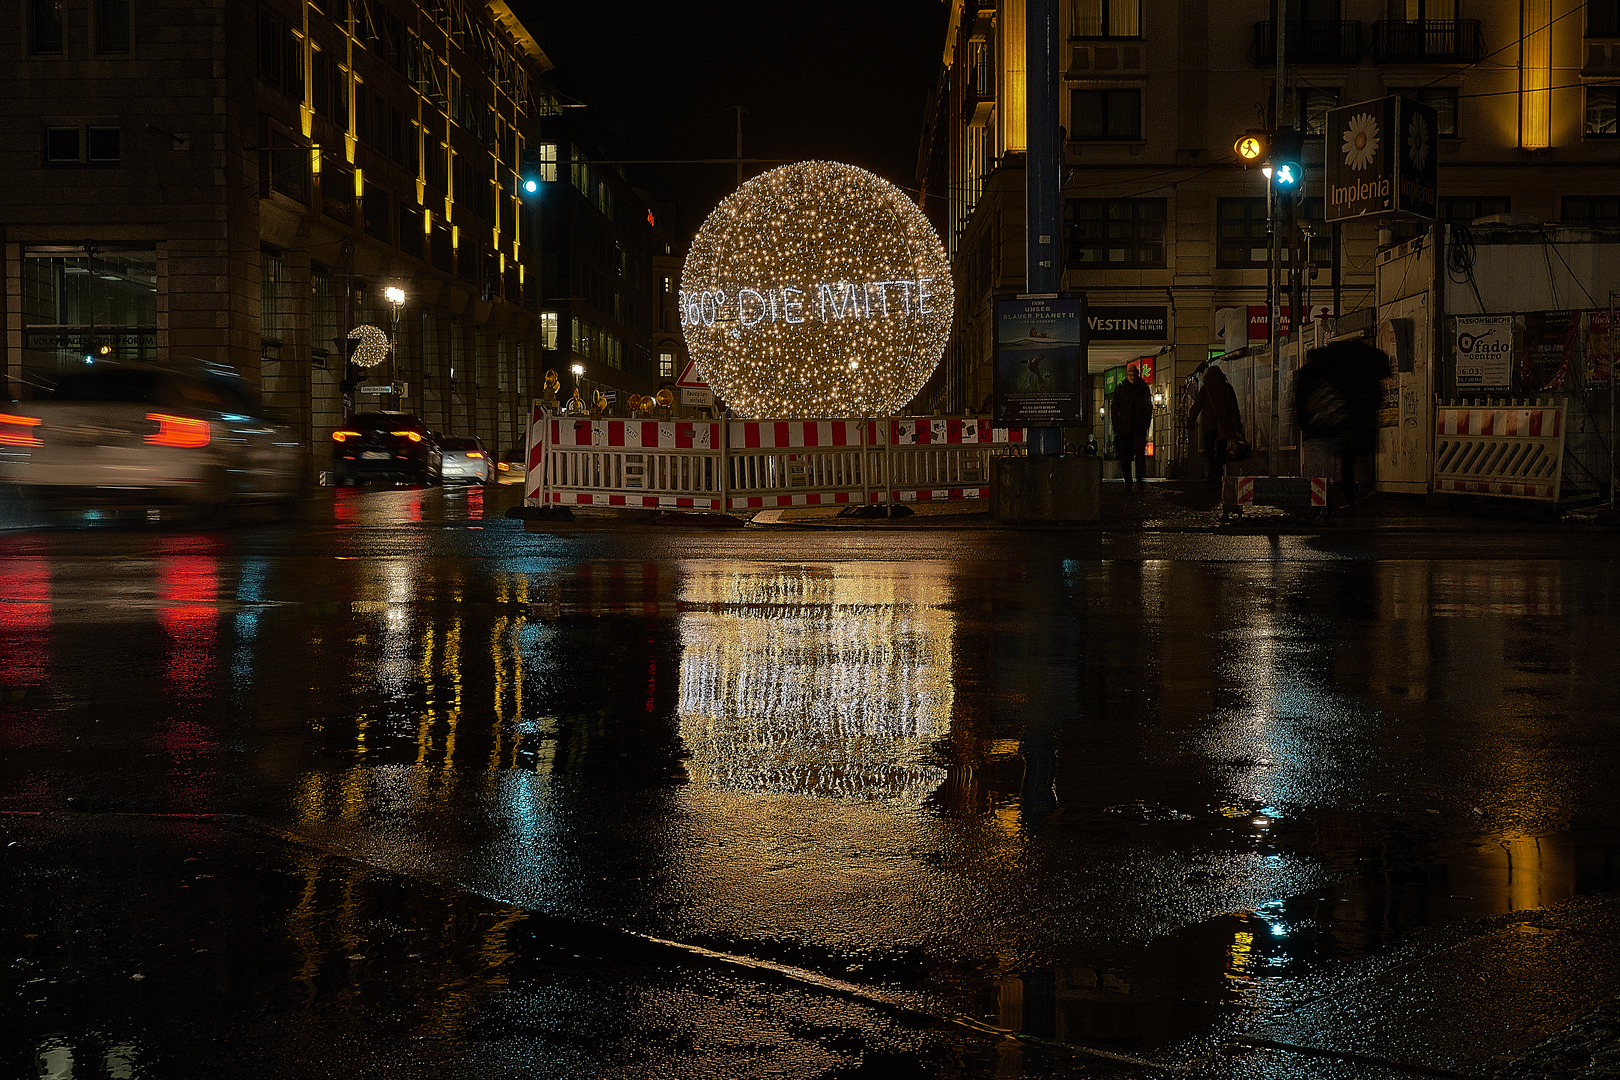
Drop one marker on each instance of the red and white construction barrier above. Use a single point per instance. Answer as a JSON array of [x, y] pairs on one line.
[[1512, 450], [755, 464]]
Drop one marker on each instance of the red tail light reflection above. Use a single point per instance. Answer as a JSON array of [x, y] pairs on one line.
[[177, 430], [411, 435], [341, 436], [9, 436]]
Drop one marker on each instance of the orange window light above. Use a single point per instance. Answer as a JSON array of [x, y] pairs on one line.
[[177, 430], [411, 435], [9, 436], [340, 436]]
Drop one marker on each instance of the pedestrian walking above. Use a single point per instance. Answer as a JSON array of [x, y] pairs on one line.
[[1131, 410], [1337, 392], [1219, 421]]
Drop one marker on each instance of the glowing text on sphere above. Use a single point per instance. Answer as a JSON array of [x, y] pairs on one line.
[[816, 290]]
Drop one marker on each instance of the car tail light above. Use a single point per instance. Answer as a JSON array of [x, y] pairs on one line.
[[474, 454], [177, 430], [14, 430], [340, 436], [414, 436], [503, 466]]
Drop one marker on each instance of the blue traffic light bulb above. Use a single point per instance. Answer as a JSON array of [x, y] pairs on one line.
[[531, 186], [1287, 174]]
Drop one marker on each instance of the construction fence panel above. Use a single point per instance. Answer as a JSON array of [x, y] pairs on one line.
[[753, 464], [1511, 449]]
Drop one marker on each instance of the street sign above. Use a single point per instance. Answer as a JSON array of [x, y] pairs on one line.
[[402, 389], [701, 398], [691, 377]]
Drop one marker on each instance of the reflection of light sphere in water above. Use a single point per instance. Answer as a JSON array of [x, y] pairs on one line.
[[816, 290]]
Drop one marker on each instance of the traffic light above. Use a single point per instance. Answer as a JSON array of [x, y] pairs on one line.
[[1251, 148], [1287, 159], [529, 174]]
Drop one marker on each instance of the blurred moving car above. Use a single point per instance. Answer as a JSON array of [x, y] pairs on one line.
[[466, 461], [510, 466], [391, 446], [183, 431]]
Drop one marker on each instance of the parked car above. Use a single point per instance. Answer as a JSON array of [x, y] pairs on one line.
[[511, 466], [177, 431], [392, 446], [466, 461]]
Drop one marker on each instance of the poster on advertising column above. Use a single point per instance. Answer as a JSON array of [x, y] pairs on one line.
[[1040, 372]]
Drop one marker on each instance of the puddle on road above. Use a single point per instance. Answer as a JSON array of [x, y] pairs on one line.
[[1205, 977]]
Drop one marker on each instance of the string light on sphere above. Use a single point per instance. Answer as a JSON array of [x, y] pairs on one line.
[[816, 290]]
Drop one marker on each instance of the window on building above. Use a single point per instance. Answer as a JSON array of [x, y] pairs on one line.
[[112, 26], [272, 277], [1442, 99], [1314, 104], [281, 54], [548, 330], [668, 284], [1603, 18], [286, 167], [81, 144], [1105, 114], [329, 88], [1591, 210], [1422, 10], [326, 317], [377, 210], [1602, 103], [1243, 238], [666, 365], [1106, 19], [1116, 232], [45, 27], [73, 301]]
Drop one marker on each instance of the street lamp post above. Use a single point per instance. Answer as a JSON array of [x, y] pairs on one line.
[[396, 301]]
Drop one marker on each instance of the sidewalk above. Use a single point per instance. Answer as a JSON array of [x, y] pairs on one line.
[[1194, 506]]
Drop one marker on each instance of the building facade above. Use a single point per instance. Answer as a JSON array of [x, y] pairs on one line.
[[1163, 227], [243, 182]]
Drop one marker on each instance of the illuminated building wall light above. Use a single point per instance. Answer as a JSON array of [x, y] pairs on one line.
[[1013, 99], [1535, 75], [804, 269]]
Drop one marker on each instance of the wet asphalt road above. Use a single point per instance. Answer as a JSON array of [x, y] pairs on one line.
[[397, 788]]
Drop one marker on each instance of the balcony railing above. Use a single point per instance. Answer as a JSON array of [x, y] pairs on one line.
[[1335, 41], [1430, 41]]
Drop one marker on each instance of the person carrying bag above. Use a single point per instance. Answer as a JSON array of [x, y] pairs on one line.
[[1215, 411]]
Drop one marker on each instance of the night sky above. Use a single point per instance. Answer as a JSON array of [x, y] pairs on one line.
[[844, 80]]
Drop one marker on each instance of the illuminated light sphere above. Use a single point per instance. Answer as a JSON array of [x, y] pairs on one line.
[[816, 290]]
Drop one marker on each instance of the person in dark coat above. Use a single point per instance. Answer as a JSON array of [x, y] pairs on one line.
[[1337, 393], [1215, 411], [1131, 410]]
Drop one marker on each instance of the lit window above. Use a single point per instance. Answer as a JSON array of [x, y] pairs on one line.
[[666, 365]]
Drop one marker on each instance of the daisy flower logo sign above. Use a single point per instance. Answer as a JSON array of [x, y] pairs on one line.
[[1385, 165], [1361, 141]]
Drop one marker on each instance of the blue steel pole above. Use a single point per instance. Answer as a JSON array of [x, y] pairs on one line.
[[1041, 173]]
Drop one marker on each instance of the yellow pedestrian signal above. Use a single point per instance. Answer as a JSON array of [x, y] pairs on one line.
[[1250, 148]]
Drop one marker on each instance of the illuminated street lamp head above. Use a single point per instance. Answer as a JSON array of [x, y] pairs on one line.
[[578, 369], [395, 295], [816, 290]]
